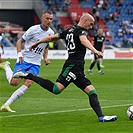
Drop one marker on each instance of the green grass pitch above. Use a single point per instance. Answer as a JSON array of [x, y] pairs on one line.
[[39, 111]]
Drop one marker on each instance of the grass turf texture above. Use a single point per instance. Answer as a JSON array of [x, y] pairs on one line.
[[39, 111]]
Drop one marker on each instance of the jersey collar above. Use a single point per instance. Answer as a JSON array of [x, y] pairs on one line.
[[42, 27]]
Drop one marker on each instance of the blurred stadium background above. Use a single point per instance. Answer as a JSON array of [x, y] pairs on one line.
[[115, 16]]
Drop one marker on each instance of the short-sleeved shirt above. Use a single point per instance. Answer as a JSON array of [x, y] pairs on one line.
[[32, 59], [76, 51], [98, 42], [32, 35], [73, 69]]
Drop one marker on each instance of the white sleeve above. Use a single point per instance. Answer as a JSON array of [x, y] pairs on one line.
[[0, 38], [27, 35]]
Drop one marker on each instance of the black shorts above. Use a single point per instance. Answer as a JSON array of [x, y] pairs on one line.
[[73, 74], [96, 56]]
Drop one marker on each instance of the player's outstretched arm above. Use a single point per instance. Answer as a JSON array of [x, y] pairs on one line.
[[44, 40]]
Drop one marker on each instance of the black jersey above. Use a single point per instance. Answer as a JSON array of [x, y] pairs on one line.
[[76, 51], [98, 42]]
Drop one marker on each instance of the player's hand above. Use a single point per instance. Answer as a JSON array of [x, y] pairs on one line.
[[100, 55], [21, 60], [20, 57], [33, 46], [46, 61]]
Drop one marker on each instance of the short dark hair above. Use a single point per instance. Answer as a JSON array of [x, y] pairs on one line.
[[49, 12], [2, 26]]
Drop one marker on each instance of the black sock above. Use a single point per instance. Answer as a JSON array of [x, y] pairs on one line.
[[45, 83], [92, 65], [98, 66], [95, 104]]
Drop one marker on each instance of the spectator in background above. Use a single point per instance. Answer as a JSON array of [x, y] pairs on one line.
[[13, 37], [118, 44], [116, 14], [120, 32], [94, 9], [125, 43], [97, 16], [129, 11], [66, 4], [131, 41], [102, 4], [107, 18], [59, 27], [118, 3]]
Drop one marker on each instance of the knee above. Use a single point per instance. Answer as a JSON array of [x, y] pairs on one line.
[[14, 83], [28, 83], [92, 92], [56, 90]]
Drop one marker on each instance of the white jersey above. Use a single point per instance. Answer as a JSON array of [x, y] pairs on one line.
[[32, 35], [1, 37]]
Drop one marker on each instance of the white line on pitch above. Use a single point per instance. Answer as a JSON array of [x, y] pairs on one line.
[[61, 111]]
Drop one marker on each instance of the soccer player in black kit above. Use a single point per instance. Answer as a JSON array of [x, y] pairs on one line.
[[98, 43], [73, 69]]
